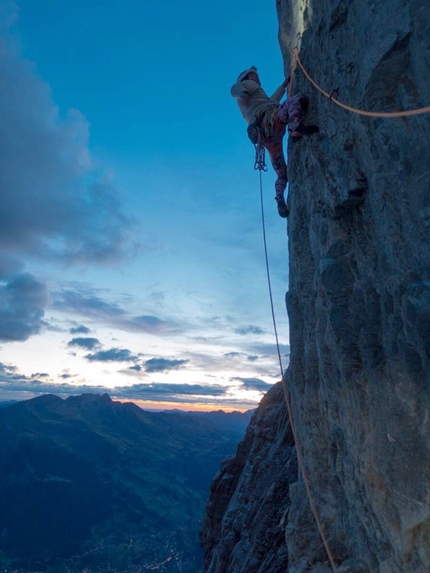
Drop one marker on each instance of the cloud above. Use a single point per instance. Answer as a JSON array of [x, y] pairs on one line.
[[10, 375], [265, 349], [249, 357], [81, 299], [10, 265], [254, 384], [11, 380], [180, 393], [24, 299], [140, 390], [147, 322], [81, 329], [112, 355], [163, 365], [233, 354], [86, 301], [87, 343], [249, 330], [55, 202], [21, 383], [7, 369], [14, 382]]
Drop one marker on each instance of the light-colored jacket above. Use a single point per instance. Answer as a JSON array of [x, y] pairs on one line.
[[252, 99]]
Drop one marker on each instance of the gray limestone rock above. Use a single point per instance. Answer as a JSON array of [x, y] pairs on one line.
[[359, 311]]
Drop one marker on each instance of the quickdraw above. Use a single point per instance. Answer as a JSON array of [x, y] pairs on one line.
[[336, 91], [258, 131], [260, 160]]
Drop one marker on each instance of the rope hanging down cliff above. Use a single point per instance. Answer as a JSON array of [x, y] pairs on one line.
[[300, 460], [404, 113]]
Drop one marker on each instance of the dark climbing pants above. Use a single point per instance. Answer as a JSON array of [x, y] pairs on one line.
[[288, 113]]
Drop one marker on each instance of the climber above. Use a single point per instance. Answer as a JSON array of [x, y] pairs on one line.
[[267, 119]]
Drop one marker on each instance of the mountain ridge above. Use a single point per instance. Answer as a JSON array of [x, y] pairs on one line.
[[85, 475]]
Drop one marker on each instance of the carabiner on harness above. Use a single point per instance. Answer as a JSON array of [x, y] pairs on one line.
[[260, 162]]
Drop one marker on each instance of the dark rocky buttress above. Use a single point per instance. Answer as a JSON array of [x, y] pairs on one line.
[[244, 529]]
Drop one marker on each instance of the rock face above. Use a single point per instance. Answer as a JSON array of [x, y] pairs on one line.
[[249, 501], [359, 309]]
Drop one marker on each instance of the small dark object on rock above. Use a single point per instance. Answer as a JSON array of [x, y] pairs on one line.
[[303, 130], [355, 198]]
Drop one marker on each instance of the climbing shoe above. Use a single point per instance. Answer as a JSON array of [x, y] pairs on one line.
[[303, 130], [282, 207]]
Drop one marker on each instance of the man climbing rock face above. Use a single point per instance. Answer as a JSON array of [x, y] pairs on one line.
[[267, 120]]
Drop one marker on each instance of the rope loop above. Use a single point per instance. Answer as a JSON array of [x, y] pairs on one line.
[[405, 113]]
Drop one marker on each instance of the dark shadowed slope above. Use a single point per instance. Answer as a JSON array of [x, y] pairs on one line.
[[105, 481]]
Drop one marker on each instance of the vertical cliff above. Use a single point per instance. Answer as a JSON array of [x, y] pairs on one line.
[[359, 310], [249, 501]]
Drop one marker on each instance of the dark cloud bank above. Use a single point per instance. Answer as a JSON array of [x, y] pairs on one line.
[[81, 329], [87, 343], [112, 355], [56, 206], [23, 299], [163, 365], [48, 178], [80, 299], [124, 355]]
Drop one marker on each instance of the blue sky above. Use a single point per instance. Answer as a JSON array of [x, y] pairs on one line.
[[132, 258]]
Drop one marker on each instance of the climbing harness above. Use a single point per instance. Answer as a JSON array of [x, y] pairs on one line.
[[260, 130], [300, 460], [405, 113]]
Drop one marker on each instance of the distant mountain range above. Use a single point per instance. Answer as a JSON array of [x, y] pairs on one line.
[[96, 485], [235, 421]]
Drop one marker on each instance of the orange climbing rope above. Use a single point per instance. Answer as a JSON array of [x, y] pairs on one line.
[[405, 113], [300, 460], [293, 69], [306, 480]]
